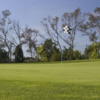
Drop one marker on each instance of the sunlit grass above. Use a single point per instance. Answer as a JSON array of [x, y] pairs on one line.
[[76, 80]]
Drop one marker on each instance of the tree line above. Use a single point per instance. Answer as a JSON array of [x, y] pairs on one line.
[[13, 37]]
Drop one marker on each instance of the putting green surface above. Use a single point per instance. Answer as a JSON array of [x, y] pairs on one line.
[[75, 80], [80, 72]]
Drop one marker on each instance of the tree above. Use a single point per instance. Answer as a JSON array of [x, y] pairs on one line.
[[88, 51], [98, 48], [48, 50], [3, 56], [41, 54], [66, 53], [91, 27], [18, 33], [76, 55], [55, 57], [74, 20], [19, 54], [30, 36], [5, 29], [51, 28], [1, 44], [50, 47], [94, 54], [92, 51]]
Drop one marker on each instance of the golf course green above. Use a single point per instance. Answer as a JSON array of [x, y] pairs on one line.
[[75, 80]]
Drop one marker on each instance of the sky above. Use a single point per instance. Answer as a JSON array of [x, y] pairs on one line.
[[32, 12]]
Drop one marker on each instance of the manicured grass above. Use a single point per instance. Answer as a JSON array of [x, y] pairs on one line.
[[75, 80]]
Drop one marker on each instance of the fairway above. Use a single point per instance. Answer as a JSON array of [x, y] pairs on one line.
[[75, 80]]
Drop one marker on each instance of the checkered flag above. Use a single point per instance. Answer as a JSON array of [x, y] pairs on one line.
[[67, 29]]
